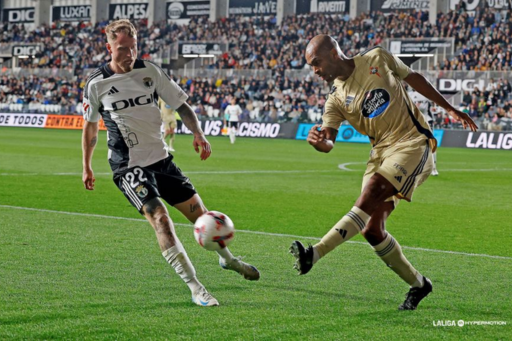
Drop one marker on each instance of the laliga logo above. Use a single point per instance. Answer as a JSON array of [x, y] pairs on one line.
[[175, 10], [460, 84]]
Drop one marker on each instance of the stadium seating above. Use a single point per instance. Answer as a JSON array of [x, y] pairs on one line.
[[482, 43]]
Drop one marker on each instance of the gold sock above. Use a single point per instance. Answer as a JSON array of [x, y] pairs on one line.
[[350, 225], [391, 253]]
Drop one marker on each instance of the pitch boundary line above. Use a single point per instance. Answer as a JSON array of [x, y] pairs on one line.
[[344, 167], [189, 172], [251, 232], [341, 167]]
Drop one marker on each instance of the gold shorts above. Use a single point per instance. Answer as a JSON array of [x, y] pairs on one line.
[[406, 165], [169, 120]]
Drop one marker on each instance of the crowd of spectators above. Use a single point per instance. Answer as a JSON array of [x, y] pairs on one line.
[[80, 46], [41, 94], [254, 43], [491, 106], [482, 38], [483, 42], [264, 100]]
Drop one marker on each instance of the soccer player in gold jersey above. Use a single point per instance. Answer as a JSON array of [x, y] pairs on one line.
[[168, 123], [368, 93]]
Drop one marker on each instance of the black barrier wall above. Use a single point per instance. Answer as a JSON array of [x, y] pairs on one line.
[[479, 139], [249, 129], [446, 138]]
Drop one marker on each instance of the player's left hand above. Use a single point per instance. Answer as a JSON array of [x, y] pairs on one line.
[[464, 118], [201, 141]]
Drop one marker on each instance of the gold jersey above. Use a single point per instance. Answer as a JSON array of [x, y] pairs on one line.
[[374, 101], [166, 111]]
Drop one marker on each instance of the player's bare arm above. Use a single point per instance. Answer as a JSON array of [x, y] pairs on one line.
[[190, 120], [423, 86], [323, 139], [89, 139]]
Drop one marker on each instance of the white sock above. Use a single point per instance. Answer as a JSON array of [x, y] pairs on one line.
[[316, 256], [178, 259], [419, 283], [232, 135], [226, 255]]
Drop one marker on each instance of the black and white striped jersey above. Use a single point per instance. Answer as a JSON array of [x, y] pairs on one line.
[[128, 105]]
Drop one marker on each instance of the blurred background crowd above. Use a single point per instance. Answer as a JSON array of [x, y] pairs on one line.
[[482, 43]]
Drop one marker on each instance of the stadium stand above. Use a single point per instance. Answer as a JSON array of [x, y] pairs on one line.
[[52, 81]]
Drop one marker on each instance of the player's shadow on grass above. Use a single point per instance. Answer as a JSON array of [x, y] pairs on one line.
[[341, 295]]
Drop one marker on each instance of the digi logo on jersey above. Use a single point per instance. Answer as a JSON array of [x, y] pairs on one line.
[[375, 103], [132, 102]]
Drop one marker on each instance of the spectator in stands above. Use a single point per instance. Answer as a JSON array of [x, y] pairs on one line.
[[483, 41], [466, 98], [482, 106], [487, 123], [473, 108], [491, 85]]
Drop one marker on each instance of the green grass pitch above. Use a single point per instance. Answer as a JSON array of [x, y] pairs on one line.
[[84, 265]]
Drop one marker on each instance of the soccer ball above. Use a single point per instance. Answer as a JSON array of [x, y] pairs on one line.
[[214, 230]]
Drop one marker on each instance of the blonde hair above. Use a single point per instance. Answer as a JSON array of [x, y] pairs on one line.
[[118, 26]]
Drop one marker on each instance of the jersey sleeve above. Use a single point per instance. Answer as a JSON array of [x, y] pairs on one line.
[[395, 64], [333, 116], [168, 90], [91, 104]]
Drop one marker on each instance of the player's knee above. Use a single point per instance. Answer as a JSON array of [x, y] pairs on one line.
[[373, 233], [157, 214], [376, 191], [162, 222], [379, 186]]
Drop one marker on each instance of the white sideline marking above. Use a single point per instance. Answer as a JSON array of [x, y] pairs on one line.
[[261, 171], [191, 172], [344, 167], [251, 232], [478, 170]]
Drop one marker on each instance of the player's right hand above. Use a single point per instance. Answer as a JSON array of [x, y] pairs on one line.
[[315, 136], [88, 179], [467, 122], [201, 141]]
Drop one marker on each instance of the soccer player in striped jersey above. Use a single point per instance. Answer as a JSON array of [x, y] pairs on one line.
[[124, 93]]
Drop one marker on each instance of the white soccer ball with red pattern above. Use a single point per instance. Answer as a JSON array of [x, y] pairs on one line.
[[214, 230]]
